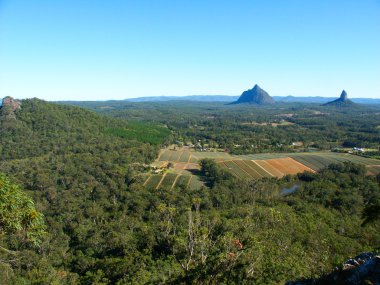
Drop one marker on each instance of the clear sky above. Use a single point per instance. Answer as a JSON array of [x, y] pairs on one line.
[[93, 50]]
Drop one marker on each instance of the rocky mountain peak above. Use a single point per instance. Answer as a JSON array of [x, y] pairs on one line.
[[342, 101], [256, 95], [343, 96], [9, 106]]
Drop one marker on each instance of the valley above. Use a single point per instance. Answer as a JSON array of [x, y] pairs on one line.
[[182, 165]]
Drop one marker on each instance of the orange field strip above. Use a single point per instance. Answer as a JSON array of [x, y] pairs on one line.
[[263, 168], [302, 165], [280, 166], [268, 168], [180, 165], [287, 165]]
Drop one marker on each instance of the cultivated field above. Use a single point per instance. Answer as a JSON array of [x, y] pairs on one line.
[[277, 167], [170, 180], [315, 160], [254, 166]]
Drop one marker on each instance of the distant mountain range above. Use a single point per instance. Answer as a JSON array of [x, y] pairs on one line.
[[232, 98], [199, 98]]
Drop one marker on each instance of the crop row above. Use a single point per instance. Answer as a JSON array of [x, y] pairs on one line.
[[169, 181], [254, 169]]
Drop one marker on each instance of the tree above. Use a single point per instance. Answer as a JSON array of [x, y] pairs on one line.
[[20, 222], [371, 212], [18, 215]]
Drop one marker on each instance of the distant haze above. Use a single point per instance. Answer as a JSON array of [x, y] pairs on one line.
[[99, 50]]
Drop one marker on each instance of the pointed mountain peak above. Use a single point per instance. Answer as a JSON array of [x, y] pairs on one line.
[[342, 101], [256, 95], [343, 96]]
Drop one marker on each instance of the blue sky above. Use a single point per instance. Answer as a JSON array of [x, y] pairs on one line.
[[96, 50]]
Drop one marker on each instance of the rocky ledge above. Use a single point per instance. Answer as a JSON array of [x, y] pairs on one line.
[[363, 269]]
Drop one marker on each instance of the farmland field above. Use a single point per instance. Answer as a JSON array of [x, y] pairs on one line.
[[248, 169], [235, 169], [261, 170], [153, 181], [287, 166], [165, 155], [253, 166], [319, 160], [185, 156], [168, 181], [194, 182], [266, 167], [182, 180], [373, 169]]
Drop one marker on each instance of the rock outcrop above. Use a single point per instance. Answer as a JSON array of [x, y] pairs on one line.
[[342, 101], [256, 95], [363, 269], [9, 107]]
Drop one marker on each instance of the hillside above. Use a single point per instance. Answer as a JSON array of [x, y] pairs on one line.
[[256, 95], [38, 128]]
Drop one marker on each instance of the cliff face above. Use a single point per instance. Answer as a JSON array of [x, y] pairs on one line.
[[9, 107]]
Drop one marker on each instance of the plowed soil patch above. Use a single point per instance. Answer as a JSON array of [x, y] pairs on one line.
[[288, 165], [269, 168], [186, 166]]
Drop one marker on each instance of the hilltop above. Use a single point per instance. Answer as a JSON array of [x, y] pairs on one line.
[[9, 107], [342, 101], [256, 95]]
